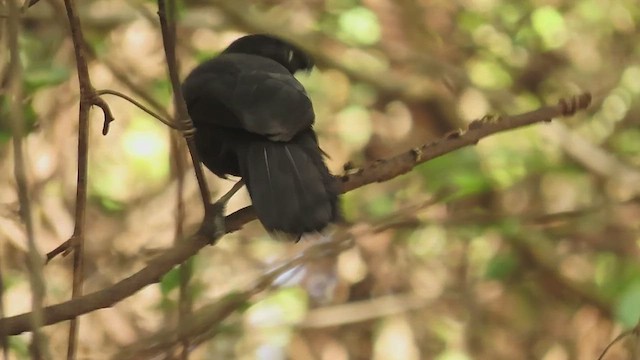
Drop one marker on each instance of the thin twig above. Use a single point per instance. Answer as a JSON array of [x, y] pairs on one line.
[[183, 121], [34, 260], [185, 269], [375, 172], [125, 78], [635, 331], [88, 98], [138, 104]]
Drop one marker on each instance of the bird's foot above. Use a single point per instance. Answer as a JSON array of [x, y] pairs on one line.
[[213, 223], [213, 226]]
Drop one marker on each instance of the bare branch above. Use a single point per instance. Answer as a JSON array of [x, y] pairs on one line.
[[377, 172], [185, 300], [384, 170]]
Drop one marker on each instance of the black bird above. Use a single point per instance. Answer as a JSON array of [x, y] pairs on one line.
[[253, 119]]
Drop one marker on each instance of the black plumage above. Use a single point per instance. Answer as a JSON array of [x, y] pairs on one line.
[[254, 120]]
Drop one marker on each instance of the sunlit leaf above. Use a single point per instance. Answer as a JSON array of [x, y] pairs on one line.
[[489, 74], [112, 205], [359, 25], [395, 340], [550, 26]]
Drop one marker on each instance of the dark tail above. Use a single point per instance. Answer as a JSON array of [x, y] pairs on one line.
[[291, 188]]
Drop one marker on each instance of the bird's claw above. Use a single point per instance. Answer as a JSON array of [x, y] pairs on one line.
[[213, 223]]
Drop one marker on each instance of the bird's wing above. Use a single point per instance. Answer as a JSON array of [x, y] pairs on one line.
[[264, 99]]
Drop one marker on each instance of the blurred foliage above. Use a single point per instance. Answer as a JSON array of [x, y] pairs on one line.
[[524, 246]]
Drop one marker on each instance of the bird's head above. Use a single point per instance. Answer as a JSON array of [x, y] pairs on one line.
[[288, 55]]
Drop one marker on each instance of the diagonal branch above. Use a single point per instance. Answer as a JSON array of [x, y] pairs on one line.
[[168, 28], [200, 325], [384, 170], [379, 171]]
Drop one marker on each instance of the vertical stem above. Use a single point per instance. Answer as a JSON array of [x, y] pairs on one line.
[[86, 100], [168, 27], [185, 269], [35, 260], [79, 229]]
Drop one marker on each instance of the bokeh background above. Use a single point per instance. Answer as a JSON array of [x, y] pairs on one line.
[[524, 246]]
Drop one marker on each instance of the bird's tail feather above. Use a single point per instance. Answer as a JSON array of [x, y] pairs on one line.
[[291, 188]]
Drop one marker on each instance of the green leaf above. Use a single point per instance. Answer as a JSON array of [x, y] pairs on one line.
[[111, 205], [170, 281], [381, 205], [628, 306], [161, 90], [29, 116], [460, 169], [501, 266], [511, 14], [19, 347], [46, 76], [627, 142], [470, 20]]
